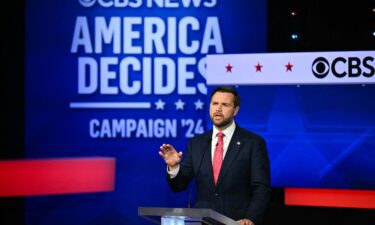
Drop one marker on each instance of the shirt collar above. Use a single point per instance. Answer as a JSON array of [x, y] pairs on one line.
[[228, 132]]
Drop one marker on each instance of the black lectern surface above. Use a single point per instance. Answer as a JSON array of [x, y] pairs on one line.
[[186, 216]]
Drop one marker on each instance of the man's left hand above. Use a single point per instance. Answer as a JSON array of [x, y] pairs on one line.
[[245, 222]]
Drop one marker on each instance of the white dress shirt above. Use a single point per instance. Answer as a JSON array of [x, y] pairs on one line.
[[228, 134]]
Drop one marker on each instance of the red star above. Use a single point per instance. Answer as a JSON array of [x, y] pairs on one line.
[[258, 67], [229, 68], [289, 67]]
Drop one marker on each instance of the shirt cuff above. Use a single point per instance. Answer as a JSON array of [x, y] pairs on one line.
[[173, 173]]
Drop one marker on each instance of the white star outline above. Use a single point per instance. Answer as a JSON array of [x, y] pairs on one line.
[[159, 104], [179, 105], [198, 105]]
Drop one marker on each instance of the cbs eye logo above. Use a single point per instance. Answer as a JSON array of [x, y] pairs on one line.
[[87, 3], [320, 67], [341, 67]]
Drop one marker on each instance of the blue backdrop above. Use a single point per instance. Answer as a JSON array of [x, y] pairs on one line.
[[120, 78], [318, 136]]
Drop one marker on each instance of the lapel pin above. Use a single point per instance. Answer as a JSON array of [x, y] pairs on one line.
[[238, 143]]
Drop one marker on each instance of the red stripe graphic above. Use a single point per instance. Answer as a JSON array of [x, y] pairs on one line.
[[56, 176], [330, 197]]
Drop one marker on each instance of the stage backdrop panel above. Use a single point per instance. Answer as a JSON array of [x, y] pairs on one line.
[[119, 78]]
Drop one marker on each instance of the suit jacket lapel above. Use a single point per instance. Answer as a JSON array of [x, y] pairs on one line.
[[207, 160], [230, 155], [208, 163]]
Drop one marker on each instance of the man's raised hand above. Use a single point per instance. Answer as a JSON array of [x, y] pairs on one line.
[[171, 157]]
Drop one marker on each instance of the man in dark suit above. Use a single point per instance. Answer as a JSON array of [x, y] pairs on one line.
[[230, 164]]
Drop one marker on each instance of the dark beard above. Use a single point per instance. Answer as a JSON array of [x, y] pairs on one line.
[[223, 124]]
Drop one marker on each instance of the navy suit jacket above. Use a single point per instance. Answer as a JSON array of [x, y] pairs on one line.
[[243, 187]]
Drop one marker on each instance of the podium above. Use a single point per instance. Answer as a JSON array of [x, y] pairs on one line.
[[184, 216]]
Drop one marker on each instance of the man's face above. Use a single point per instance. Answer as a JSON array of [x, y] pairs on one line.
[[222, 109]]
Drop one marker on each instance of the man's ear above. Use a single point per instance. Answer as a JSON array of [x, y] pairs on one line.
[[236, 109]]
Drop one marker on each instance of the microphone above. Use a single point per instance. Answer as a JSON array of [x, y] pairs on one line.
[[198, 168], [190, 194]]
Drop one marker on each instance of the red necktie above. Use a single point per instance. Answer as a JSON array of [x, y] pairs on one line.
[[218, 156]]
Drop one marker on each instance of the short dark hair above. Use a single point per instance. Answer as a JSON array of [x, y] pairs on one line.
[[228, 89]]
